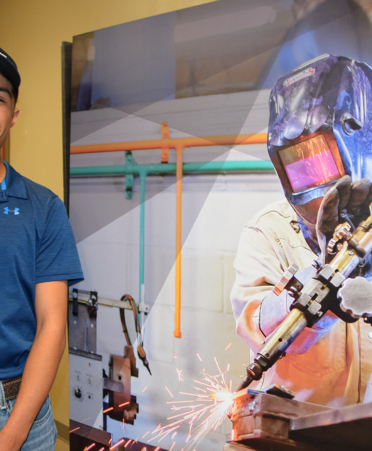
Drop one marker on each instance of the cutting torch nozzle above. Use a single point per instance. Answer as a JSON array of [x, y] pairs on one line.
[[142, 355], [254, 373]]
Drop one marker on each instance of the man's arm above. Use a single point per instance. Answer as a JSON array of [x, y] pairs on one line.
[[42, 362], [256, 309]]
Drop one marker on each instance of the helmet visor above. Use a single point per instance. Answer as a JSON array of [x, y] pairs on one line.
[[309, 164]]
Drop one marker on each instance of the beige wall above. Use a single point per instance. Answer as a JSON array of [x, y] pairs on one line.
[[32, 32]]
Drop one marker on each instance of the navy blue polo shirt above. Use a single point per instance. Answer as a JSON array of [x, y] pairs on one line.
[[36, 245]]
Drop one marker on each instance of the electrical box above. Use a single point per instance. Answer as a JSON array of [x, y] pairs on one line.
[[86, 388]]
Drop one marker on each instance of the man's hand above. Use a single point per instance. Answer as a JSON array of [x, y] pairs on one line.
[[344, 202]]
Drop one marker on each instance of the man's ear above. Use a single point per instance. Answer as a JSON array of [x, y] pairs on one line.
[[15, 116]]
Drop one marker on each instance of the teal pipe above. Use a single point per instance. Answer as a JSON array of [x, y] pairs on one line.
[[168, 168], [142, 241]]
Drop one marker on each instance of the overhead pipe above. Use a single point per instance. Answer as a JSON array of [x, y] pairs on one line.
[[172, 143], [170, 168]]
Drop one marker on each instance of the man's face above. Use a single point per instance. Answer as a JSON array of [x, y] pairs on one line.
[[8, 112]]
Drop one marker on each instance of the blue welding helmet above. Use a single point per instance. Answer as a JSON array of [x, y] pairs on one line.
[[320, 126]]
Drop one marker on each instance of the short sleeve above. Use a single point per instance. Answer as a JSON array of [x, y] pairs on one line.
[[57, 257]]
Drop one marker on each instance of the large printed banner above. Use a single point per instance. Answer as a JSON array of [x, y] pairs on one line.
[[168, 163]]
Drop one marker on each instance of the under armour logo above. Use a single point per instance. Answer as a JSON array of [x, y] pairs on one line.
[[7, 211]]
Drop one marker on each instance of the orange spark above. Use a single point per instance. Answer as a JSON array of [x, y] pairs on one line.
[[127, 443], [175, 357], [110, 441], [157, 448], [199, 357], [91, 446], [124, 404], [86, 419], [228, 367], [227, 347], [108, 410], [173, 445], [175, 402], [144, 435], [144, 389], [218, 366], [179, 374], [169, 391], [73, 430], [201, 412], [117, 444]]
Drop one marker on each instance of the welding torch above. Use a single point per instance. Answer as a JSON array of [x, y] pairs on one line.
[[330, 289]]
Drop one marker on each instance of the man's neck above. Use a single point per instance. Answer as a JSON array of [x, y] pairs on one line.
[[2, 170]]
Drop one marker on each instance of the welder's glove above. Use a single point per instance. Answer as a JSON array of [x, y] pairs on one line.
[[344, 202]]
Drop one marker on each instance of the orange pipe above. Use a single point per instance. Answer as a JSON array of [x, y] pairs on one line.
[[177, 326], [173, 143]]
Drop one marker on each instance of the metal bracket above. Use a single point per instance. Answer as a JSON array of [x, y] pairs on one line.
[[143, 308], [165, 147], [75, 309], [109, 384], [129, 178], [92, 304], [84, 295]]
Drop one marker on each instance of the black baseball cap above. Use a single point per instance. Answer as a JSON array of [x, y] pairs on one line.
[[9, 68]]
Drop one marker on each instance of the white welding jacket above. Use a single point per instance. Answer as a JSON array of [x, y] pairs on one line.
[[328, 364]]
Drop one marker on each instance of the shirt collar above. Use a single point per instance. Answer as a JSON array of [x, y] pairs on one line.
[[14, 185]]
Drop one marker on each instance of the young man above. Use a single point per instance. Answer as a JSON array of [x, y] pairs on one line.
[[38, 259], [319, 142]]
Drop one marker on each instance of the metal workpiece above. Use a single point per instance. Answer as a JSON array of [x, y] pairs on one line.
[[344, 429], [262, 421]]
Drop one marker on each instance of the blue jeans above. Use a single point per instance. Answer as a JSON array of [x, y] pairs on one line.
[[43, 433]]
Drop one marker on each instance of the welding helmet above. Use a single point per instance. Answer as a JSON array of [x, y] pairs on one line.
[[320, 126]]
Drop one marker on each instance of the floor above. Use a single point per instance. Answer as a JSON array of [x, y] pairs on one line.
[[61, 445]]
